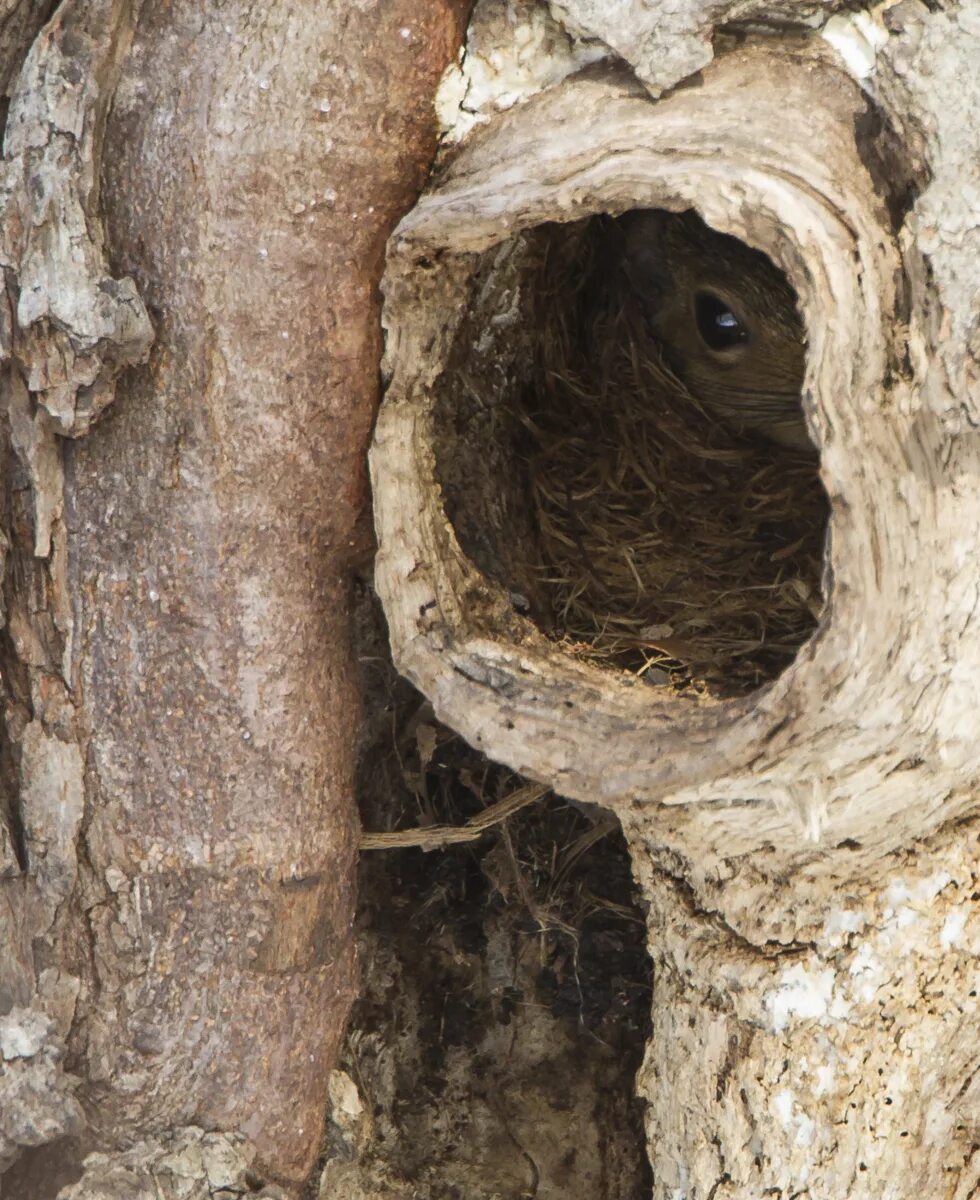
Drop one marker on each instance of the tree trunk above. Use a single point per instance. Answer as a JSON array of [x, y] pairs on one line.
[[195, 205], [180, 703], [808, 852]]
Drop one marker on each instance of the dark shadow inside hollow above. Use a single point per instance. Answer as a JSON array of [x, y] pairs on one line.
[[621, 445], [505, 996]]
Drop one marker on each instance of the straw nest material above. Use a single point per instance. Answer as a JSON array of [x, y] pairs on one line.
[[671, 546]]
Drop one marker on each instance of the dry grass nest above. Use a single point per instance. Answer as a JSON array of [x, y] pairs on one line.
[[670, 546]]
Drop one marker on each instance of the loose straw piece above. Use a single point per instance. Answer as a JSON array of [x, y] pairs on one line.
[[451, 835]]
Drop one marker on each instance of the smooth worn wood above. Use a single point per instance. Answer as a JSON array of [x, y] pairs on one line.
[[808, 853]]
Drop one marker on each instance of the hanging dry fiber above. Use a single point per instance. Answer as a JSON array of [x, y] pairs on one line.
[[673, 544]]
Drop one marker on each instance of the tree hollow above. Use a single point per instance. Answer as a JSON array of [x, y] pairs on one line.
[[459, 563]]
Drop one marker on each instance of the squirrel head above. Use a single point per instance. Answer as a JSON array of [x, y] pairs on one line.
[[726, 319]]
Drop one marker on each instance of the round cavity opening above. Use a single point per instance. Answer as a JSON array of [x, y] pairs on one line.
[[621, 445]]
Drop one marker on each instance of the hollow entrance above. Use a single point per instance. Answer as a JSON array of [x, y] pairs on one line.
[[621, 445]]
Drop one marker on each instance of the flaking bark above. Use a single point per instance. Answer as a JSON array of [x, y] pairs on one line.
[[809, 853], [179, 700]]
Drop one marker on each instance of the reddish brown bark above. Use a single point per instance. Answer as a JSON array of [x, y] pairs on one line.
[[255, 159]]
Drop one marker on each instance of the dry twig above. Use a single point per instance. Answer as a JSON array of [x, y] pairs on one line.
[[453, 835]]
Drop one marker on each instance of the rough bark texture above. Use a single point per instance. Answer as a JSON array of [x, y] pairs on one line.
[[178, 699], [667, 42], [598, 142], [20, 23], [180, 704], [809, 853]]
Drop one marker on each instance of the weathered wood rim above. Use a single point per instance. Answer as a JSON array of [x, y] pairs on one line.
[[791, 182]]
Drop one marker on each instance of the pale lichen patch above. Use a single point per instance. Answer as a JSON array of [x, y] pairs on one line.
[[803, 994], [515, 49]]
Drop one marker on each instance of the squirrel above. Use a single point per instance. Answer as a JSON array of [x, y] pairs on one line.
[[726, 319]]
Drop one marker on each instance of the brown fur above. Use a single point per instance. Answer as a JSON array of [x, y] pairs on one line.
[[669, 258]]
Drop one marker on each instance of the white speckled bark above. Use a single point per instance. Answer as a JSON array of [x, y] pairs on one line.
[[809, 853]]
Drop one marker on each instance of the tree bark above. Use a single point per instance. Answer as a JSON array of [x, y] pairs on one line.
[[180, 704], [187, 396], [808, 853]]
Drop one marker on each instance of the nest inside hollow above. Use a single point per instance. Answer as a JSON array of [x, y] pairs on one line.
[[671, 546]]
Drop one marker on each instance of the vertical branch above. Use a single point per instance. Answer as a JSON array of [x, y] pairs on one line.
[[180, 703]]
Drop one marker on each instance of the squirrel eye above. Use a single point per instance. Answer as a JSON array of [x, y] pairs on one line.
[[718, 326]]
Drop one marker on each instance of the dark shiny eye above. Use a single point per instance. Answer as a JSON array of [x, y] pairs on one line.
[[717, 324]]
